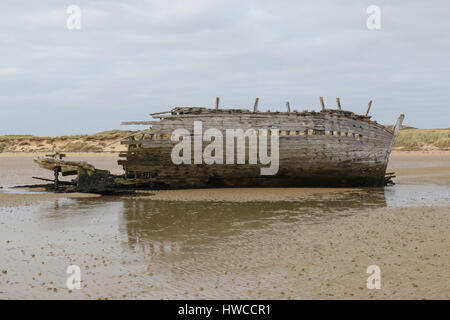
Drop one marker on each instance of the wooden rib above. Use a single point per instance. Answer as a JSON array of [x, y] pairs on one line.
[[322, 103], [368, 108], [288, 106], [255, 106]]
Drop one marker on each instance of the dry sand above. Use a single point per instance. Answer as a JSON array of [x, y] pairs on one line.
[[421, 167]]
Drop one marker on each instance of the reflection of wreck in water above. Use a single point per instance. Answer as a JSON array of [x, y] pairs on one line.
[[327, 148], [164, 227]]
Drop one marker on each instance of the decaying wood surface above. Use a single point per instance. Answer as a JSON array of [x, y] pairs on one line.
[[327, 148]]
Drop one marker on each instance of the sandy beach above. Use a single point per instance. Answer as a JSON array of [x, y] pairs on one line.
[[225, 150], [232, 243]]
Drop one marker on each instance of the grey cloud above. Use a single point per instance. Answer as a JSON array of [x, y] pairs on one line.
[[135, 57]]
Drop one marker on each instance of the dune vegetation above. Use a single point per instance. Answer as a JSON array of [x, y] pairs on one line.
[[97, 142], [422, 139]]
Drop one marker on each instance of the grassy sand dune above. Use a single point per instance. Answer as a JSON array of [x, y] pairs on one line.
[[423, 139], [97, 142]]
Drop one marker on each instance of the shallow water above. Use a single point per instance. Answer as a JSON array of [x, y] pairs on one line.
[[160, 249]]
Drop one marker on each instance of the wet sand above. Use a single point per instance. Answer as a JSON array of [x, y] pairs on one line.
[[232, 243], [34, 197], [329, 261], [240, 194]]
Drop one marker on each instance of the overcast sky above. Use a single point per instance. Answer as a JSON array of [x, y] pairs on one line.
[[134, 57]]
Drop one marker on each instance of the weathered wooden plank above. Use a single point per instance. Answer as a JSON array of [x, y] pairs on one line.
[[319, 145], [129, 123]]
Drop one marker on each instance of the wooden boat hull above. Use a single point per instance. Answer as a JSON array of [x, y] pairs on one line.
[[318, 149], [63, 166]]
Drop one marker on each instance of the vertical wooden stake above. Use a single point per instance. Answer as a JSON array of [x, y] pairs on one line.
[[56, 174], [217, 102], [338, 103], [255, 107], [322, 103], [288, 106], [368, 108]]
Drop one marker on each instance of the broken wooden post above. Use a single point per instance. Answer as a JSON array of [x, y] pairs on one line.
[[255, 106], [368, 108], [398, 125], [338, 103], [217, 102], [56, 173], [288, 106], [322, 103]]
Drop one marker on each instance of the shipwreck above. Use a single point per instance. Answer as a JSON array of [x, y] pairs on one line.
[[327, 148]]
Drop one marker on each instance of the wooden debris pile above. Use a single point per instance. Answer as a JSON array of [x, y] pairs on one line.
[[88, 178]]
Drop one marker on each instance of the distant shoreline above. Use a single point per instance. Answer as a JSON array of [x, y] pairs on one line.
[[410, 140], [68, 154], [116, 153]]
